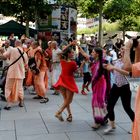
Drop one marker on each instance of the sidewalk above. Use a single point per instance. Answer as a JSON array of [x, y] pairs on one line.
[[36, 121]]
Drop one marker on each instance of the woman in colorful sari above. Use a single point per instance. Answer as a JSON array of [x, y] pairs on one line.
[[99, 87]]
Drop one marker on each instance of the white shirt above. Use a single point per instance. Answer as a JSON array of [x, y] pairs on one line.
[[55, 56], [114, 55]]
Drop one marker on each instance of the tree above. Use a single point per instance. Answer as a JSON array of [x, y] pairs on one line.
[[92, 8], [25, 11], [123, 11]]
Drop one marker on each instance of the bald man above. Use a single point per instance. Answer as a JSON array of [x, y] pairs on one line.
[[15, 75]]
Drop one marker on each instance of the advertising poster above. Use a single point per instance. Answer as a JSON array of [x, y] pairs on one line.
[[56, 36], [56, 15], [64, 18], [72, 20]]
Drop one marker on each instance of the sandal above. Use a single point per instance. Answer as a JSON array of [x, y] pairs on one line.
[[45, 100], [7, 107], [59, 116], [37, 97], [69, 118], [21, 104]]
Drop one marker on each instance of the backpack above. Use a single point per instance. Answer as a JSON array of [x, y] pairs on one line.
[[33, 65]]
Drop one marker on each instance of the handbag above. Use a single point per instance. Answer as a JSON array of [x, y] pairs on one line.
[[2, 80]]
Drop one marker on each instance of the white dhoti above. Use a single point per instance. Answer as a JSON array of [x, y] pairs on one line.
[[55, 72]]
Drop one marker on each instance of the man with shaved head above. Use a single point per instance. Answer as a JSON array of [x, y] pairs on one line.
[[56, 68], [15, 75]]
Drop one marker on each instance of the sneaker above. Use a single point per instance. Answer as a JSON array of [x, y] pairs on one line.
[[130, 132], [44, 100], [109, 129]]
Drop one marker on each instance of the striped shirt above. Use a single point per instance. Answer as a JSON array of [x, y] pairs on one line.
[[119, 79]]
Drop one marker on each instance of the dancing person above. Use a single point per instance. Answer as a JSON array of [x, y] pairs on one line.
[[48, 57], [83, 43], [40, 77], [120, 88], [86, 76], [56, 68], [134, 71], [15, 75], [99, 86], [66, 83]]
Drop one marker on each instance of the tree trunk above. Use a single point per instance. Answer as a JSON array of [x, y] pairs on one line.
[[27, 28], [100, 23], [124, 35]]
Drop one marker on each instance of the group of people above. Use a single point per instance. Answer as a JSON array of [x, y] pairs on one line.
[[59, 65]]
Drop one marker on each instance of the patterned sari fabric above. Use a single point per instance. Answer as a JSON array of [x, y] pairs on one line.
[[99, 94], [136, 125]]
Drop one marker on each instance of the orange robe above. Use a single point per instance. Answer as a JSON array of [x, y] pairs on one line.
[[15, 75], [136, 125], [41, 79]]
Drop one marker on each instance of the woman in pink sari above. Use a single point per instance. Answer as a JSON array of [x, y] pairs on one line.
[[99, 87]]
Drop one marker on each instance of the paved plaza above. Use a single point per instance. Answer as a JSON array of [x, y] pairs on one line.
[[36, 121]]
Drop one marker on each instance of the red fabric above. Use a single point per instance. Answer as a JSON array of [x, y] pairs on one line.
[[66, 78]]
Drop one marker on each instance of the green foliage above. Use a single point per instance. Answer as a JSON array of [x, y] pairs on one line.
[[107, 27], [90, 8], [128, 24], [117, 9], [25, 9]]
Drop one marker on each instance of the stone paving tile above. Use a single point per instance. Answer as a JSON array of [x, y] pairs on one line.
[[8, 115], [65, 126], [86, 135], [30, 127], [7, 135], [36, 121], [44, 137], [6, 125]]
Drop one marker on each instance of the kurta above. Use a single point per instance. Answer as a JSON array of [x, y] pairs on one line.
[[15, 75]]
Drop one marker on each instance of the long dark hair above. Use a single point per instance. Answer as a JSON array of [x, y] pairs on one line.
[[66, 52], [99, 51]]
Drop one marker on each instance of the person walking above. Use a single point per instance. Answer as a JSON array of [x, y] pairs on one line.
[[66, 83]]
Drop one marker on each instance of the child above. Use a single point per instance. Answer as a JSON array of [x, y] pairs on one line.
[[86, 76]]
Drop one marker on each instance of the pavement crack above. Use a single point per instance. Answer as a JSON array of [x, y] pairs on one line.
[[44, 123], [15, 130]]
